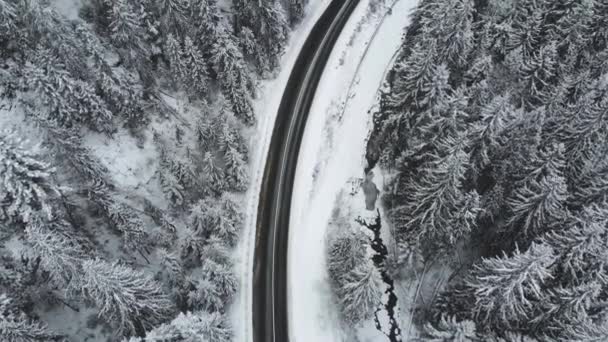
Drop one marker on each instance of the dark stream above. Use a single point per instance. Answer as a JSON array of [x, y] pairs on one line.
[[379, 257]]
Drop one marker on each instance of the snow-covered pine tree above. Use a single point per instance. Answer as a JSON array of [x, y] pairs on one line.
[[599, 25], [196, 65], [236, 169], [8, 26], [582, 128], [360, 293], [437, 211], [494, 119], [192, 327], [450, 329], [540, 202], [120, 216], [222, 277], [69, 101], [508, 288], [205, 296], [526, 29], [68, 147], [538, 72], [173, 53], [453, 33], [15, 326], [126, 298], [267, 21], [59, 254], [26, 180], [230, 70], [414, 75], [125, 29], [296, 11], [119, 89], [581, 247], [171, 266]]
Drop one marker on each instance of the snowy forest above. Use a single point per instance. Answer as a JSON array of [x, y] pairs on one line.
[[124, 139], [494, 132]]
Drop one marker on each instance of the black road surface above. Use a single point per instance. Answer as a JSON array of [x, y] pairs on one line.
[[270, 315]]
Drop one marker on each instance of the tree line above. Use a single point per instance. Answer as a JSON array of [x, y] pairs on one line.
[[105, 72], [495, 126]]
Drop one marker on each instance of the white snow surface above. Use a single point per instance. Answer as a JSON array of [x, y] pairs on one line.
[[333, 151], [266, 109]]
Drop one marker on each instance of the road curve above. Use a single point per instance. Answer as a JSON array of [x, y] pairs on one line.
[[270, 314]]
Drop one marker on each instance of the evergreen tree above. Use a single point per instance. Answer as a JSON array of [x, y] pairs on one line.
[[414, 75], [540, 202], [69, 101], [360, 293], [453, 32], [508, 288], [125, 28], [192, 327], [538, 72], [127, 298], [15, 326], [449, 329], [67, 145], [120, 216], [197, 68], [437, 210], [27, 184], [59, 254], [267, 21], [296, 11], [230, 70]]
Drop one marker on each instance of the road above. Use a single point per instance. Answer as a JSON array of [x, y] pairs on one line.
[[270, 313]]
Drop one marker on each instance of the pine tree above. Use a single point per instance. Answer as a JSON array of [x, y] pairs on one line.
[[360, 293], [599, 25], [539, 203], [126, 298], [526, 28], [236, 169], [494, 120], [437, 211], [125, 28], [27, 184], [296, 11], [230, 70], [508, 288], [197, 75], [538, 72], [59, 254], [68, 146], [222, 277], [453, 32], [171, 266], [414, 75], [449, 329], [206, 296], [17, 327], [8, 26], [69, 101], [192, 327], [120, 216], [267, 21]]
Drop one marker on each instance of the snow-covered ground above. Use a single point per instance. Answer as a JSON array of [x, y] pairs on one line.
[[266, 108], [332, 153]]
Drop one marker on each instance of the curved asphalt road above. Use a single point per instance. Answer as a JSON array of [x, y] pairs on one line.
[[270, 314]]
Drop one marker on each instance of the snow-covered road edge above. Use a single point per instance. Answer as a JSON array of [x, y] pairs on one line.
[[266, 108], [351, 79]]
